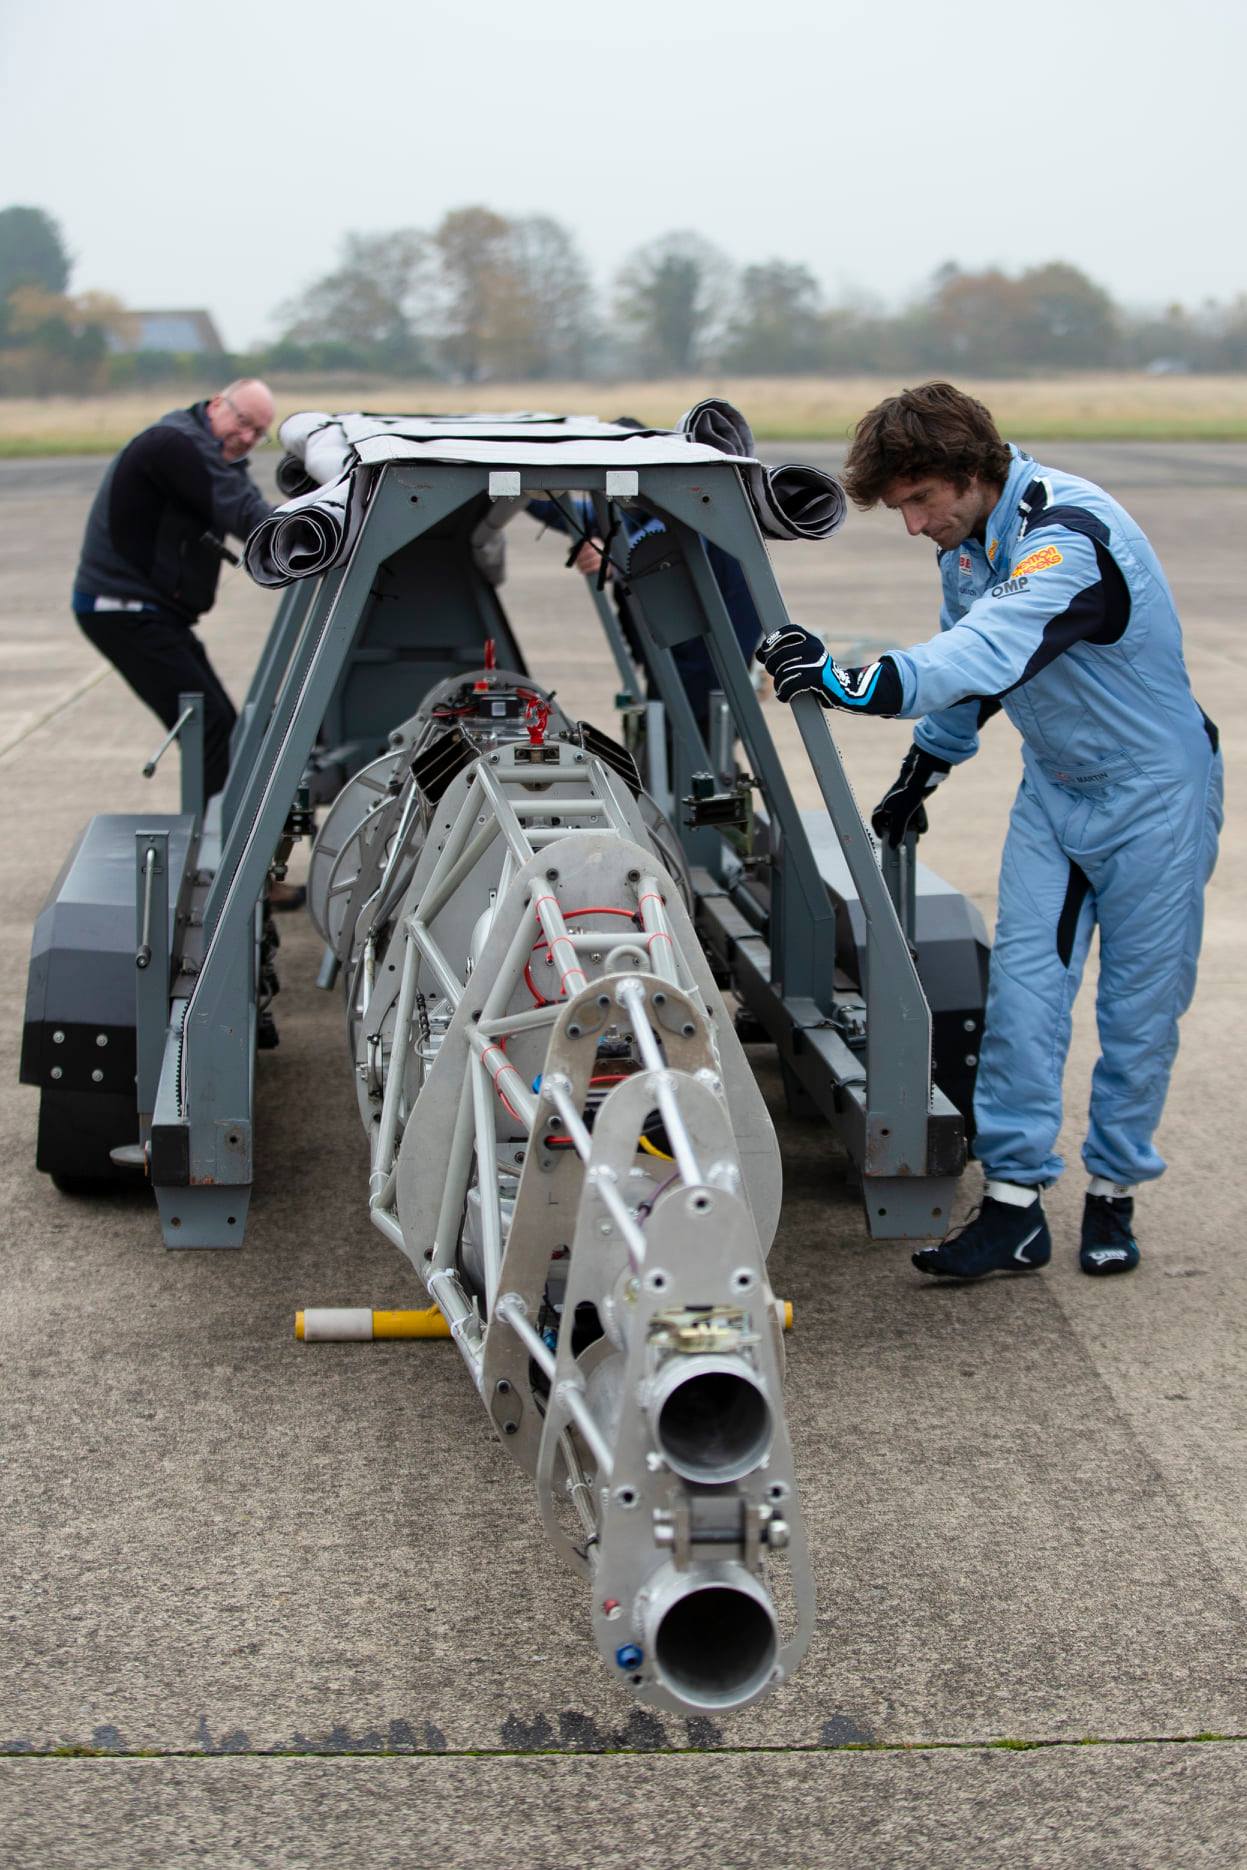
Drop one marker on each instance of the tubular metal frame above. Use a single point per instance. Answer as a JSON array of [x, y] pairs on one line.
[[904, 1138]]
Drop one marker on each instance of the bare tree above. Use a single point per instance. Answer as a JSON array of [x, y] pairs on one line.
[[670, 298], [476, 279], [779, 325], [548, 326], [374, 300]]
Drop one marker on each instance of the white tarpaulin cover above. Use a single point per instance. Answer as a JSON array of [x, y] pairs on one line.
[[335, 458]]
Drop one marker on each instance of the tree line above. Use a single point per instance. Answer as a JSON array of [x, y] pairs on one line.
[[490, 297]]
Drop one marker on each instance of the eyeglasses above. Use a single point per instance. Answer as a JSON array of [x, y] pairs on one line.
[[254, 429]]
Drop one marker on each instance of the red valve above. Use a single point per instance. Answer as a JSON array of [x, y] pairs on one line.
[[537, 719]]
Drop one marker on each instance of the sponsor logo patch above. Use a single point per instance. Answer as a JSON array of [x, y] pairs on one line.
[[992, 550], [1010, 587], [1043, 560], [964, 562]]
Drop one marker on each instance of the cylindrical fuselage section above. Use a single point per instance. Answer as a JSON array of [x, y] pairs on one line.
[[710, 1418]]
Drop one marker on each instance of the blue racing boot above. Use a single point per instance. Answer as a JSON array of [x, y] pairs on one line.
[[1002, 1237], [1108, 1242]]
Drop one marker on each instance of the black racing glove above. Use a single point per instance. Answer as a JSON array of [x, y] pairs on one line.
[[799, 664], [901, 806]]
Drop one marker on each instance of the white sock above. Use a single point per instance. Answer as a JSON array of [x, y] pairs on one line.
[[1011, 1193], [1101, 1185]]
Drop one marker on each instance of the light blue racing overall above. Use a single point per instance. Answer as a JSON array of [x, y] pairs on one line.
[[1063, 616]]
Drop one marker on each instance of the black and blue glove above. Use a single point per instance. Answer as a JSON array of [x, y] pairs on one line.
[[902, 805], [799, 664]]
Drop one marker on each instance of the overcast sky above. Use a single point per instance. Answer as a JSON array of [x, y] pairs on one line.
[[214, 155]]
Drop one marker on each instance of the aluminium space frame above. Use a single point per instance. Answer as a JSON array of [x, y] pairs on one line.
[[904, 1138]]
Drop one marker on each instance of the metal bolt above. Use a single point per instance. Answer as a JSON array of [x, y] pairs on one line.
[[968, 1025], [97, 1076], [57, 1072], [972, 1058], [58, 1038], [101, 1038]]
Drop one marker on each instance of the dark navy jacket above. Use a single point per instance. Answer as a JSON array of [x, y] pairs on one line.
[[163, 501]]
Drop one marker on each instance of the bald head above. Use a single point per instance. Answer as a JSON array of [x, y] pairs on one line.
[[240, 416]]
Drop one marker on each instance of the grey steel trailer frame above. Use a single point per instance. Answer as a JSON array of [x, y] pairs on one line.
[[904, 1137]]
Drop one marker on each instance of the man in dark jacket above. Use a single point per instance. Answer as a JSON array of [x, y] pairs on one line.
[[152, 553]]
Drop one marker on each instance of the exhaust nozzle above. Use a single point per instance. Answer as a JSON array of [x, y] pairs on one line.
[[712, 1635], [710, 1418]]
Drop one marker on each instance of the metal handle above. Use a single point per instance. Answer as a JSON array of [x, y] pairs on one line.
[[144, 956], [167, 742]]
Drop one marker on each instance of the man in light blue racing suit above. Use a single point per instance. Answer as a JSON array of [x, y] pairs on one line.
[[1055, 608]]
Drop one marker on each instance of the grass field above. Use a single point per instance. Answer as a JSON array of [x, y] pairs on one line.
[[1097, 407]]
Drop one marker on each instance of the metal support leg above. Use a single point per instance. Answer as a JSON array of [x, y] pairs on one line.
[[151, 979], [288, 624], [802, 925], [898, 866], [898, 1020], [207, 1089], [191, 747]]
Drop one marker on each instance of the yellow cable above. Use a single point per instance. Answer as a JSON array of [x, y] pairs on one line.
[[644, 1143]]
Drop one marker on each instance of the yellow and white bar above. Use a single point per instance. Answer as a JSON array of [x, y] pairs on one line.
[[356, 1324]]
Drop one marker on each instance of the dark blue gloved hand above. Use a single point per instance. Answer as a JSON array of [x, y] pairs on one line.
[[800, 664], [901, 806]]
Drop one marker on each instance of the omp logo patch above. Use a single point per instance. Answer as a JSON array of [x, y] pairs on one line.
[[1010, 587], [1043, 560]]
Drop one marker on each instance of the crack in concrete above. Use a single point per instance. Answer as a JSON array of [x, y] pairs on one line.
[[545, 1746]]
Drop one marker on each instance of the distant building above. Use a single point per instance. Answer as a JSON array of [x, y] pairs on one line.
[[191, 332]]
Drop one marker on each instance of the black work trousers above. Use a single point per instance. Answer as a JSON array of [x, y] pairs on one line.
[[161, 658]]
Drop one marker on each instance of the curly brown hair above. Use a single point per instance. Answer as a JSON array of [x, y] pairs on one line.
[[935, 429]]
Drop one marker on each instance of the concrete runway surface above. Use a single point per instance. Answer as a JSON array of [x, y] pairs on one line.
[[294, 1602]]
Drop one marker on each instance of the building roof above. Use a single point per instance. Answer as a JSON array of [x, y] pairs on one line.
[[185, 330]]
